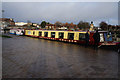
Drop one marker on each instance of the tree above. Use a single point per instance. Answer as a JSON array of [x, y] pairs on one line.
[[58, 24], [66, 25], [103, 25], [71, 24], [47, 23], [29, 24], [110, 27], [83, 25], [43, 24]]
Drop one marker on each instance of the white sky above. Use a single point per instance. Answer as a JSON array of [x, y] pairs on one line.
[[60, 0], [62, 11]]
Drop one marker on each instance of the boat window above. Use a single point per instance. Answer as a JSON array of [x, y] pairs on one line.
[[61, 35], [40, 33], [81, 36], [29, 32], [105, 36], [108, 36], [45, 34], [53, 34], [118, 35], [71, 36], [33, 32], [101, 37]]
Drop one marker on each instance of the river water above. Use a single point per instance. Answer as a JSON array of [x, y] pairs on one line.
[[26, 57]]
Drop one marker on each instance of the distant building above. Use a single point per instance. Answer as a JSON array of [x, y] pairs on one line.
[[50, 26], [36, 25], [29, 24], [113, 28], [62, 28], [6, 22], [20, 23]]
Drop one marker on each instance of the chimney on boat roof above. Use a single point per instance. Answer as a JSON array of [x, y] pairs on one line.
[[91, 26]]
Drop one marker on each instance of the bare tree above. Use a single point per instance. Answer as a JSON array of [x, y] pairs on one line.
[[58, 24], [83, 25], [103, 25]]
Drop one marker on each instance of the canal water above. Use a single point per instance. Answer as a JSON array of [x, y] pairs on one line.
[[27, 57]]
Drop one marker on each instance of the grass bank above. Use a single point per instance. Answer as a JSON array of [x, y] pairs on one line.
[[5, 36]]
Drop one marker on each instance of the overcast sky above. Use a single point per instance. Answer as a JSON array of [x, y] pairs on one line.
[[62, 11]]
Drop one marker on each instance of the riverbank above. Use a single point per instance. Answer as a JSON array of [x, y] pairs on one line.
[[5, 36]]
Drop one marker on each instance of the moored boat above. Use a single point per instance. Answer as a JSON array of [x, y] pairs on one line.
[[73, 36], [17, 31]]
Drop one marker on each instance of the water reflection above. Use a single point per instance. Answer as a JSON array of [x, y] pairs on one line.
[[32, 57]]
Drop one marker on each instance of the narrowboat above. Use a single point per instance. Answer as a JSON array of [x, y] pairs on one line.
[[73, 36], [17, 31]]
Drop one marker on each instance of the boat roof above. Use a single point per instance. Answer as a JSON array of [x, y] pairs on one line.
[[70, 30]]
